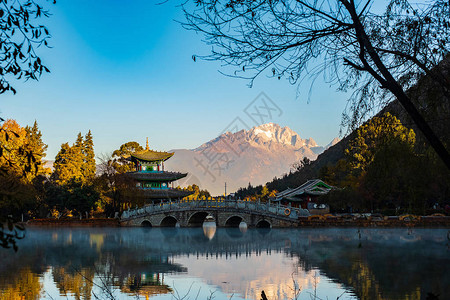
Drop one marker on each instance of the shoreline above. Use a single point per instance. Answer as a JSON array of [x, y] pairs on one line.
[[389, 222], [97, 222]]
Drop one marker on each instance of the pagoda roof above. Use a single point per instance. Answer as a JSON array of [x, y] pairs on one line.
[[157, 176], [151, 155]]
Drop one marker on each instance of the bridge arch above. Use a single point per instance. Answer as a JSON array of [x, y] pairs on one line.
[[196, 219], [234, 221], [169, 221], [226, 214], [146, 223], [263, 224]]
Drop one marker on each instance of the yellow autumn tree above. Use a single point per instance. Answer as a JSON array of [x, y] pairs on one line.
[[21, 160], [22, 151], [75, 162], [374, 134], [68, 164]]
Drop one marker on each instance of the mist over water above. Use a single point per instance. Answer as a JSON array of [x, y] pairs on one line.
[[170, 263]]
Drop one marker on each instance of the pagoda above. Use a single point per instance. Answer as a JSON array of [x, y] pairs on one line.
[[152, 179]]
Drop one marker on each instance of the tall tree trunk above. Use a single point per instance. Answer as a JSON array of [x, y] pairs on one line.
[[388, 81]]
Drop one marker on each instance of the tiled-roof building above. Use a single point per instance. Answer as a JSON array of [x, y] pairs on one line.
[[304, 194]]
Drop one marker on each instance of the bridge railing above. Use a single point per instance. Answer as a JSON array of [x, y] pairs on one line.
[[267, 208]]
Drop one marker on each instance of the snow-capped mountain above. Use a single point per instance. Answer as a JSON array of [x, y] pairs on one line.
[[248, 156]]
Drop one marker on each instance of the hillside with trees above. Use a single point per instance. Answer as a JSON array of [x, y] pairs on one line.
[[386, 164]]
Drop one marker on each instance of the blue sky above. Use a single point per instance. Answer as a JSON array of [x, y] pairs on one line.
[[124, 70]]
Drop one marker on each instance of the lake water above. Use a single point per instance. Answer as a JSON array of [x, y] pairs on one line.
[[193, 263]]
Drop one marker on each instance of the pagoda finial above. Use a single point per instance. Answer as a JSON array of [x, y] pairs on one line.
[[146, 146]]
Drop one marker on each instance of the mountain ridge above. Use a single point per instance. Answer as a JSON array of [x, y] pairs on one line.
[[247, 156]]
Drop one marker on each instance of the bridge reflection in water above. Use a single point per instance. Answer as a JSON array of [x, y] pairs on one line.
[[153, 262]]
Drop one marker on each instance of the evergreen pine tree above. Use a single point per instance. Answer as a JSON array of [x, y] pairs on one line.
[[60, 163], [76, 162], [89, 157], [36, 147], [68, 164], [79, 141], [77, 158]]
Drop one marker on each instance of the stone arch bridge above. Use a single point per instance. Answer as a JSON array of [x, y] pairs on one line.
[[226, 213]]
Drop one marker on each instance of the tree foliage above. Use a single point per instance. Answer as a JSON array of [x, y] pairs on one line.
[[340, 174], [76, 161], [75, 195], [21, 161], [120, 161], [37, 148], [89, 167], [198, 193], [301, 164], [68, 163], [395, 178], [257, 193], [117, 189], [20, 37], [21, 150], [384, 171], [371, 136], [375, 55]]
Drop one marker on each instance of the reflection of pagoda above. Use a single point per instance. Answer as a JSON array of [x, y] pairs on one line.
[[144, 276], [151, 177], [146, 285]]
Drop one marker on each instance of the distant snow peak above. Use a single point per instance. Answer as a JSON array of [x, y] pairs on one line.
[[273, 134], [268, 133], [237, 158]]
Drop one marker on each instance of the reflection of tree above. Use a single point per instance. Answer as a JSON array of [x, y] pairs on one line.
[[79, 283], [385, 267], [24, 285], [367, 286]]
